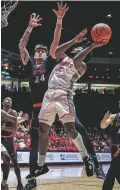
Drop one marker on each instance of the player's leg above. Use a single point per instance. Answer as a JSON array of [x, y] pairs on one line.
[[34, 144], [77, 140], [66, 112], [89, 146], [86, 139], [118, 169], [46, 118], [110, 177], [33, 153], [115, 153], [5, 167], [44, 137], [34, 125], [13, 155]]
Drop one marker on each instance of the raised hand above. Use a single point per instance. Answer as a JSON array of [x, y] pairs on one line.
[[20, 113], [25, 116], [61, 10], [107, 115], [22, 118], [79, 38], [34, 20]]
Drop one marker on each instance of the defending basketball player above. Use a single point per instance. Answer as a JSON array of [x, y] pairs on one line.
[[89, 146], [38, 71], [4, 154], [5, 167], [12, 119], [8, 127], [112, 122], [59, 100]]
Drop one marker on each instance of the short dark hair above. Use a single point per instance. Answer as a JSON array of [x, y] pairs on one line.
[[39, 46], [76, 50]]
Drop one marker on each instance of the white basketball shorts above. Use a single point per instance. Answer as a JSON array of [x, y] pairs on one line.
[[57, 102], [3, 149]]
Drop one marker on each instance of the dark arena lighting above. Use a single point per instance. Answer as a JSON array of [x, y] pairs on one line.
[[60, 95]]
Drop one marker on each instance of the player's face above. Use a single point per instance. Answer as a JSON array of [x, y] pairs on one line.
[[75, 51], [40, 54], [7, 102]]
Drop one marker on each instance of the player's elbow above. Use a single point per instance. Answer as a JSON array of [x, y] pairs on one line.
[[58, 53], [58, 50], [54, 46], [20, 46]]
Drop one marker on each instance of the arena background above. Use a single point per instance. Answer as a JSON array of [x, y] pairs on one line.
[[95, 93]]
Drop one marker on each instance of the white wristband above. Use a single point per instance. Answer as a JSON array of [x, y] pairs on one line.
[[59, 21], [29, 29]]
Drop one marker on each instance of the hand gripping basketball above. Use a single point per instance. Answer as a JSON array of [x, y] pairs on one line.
[[99, 44], [34, 19]]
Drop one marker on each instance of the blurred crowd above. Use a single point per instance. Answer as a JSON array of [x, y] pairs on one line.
[[90, 108], [58, 140]]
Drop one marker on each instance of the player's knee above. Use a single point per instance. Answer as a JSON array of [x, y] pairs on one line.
[[7, 159], [70, 130], [44, 130], [15, 163]]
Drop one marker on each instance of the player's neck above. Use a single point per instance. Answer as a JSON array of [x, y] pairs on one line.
[[38, 63], [6, 109]]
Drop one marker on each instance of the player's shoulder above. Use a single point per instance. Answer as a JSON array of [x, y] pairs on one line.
[[49, 58], [30, 61], [13, 112]]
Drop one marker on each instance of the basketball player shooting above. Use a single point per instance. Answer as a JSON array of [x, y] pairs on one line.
[[59, 100], [38, 71], [112, 122]]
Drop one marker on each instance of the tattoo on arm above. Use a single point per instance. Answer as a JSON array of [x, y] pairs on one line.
[[24, 39], [24, 56]]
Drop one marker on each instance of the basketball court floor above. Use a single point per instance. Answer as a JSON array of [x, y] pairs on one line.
[[63, 178]]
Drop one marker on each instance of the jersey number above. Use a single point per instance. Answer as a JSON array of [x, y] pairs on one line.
[[38, 79]]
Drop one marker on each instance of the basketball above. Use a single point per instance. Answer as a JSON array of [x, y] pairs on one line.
[[101, 33]]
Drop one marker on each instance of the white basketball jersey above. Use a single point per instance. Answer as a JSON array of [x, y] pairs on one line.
[[64, 75]]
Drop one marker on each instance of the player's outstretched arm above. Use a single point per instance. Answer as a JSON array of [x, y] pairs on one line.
[[62, 9], [12, 119], [64, 47], [34, 22], [8, 116], [107, 120]]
